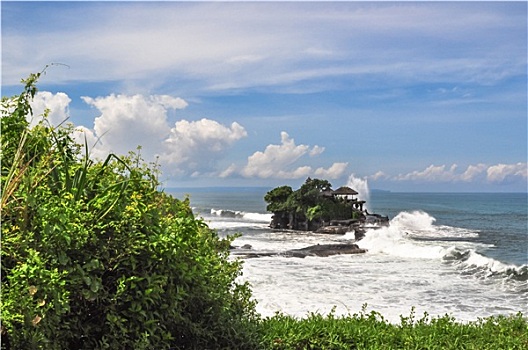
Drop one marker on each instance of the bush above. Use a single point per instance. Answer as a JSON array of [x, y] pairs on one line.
[[372, 331], [95, 256]]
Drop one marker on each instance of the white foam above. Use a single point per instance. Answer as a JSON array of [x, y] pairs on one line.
[[252, 217], [258, 217], [391, 241], [421, 224], [361, 186], [489, 265], [390, 286], [397, 273], [416, 220], [226, 225]]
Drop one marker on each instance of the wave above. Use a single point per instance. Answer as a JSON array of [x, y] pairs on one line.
[[251, 217], [471, 262], [404, 239], [421, 224]]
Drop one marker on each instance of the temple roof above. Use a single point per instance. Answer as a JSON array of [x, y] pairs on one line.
[[345, 191]]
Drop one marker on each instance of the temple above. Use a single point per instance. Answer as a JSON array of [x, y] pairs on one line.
[[316, 207], [347, 194]]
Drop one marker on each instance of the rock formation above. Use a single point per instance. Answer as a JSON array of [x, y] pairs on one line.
[[316, 207]]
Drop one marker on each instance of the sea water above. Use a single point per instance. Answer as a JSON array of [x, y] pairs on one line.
[[461, 254]]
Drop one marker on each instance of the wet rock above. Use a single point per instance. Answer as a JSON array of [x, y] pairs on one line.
[[334, 230], [324, 250], [320, 250]]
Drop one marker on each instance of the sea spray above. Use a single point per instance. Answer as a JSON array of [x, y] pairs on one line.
[[361, 186], [443, 266], [393, 241]]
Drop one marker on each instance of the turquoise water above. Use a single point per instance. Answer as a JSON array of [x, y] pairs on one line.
[[501, 219], [464, 254]]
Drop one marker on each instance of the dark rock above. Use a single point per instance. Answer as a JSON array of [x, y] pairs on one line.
[[246, 246], [320, 250], [334, 230], [324, 250]]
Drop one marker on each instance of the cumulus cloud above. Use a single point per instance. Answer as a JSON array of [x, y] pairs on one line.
[[316, 150], [334, 172], [378, 176], [498, 173], [189, 148], [57, 104], [472, 172], [275, 158], [507, 172], [278, 161], [431, 173], [130, 121], [198, 144]]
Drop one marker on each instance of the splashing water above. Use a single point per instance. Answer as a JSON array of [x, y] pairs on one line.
[[361, 186]]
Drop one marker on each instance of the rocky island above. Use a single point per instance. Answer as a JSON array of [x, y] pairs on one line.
[[316, 207]]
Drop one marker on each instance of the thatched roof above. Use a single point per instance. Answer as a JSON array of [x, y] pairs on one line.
[[345, 191]]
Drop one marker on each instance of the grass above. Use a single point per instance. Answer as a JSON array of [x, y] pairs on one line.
[[372, 331]]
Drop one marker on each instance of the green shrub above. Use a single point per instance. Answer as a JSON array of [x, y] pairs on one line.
[[372, 331], [95, 256]]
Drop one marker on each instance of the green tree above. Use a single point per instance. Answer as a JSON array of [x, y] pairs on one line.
[[309, 206], [96, 256], [277, 198]]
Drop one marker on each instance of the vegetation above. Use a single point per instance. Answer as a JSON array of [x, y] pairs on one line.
[[95, 256], [307, 208], [371, 331]]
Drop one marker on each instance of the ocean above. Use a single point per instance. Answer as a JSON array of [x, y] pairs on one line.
[[461, 254]]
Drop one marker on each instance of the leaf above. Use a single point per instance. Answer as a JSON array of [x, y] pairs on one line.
[[36, 320]]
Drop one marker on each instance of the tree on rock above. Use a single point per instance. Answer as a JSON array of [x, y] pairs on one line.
[[310, 207]]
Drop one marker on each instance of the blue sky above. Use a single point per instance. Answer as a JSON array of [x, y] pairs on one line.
[[409, 96]]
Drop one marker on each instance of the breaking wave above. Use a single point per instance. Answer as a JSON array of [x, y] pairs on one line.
[[471, 262], [251, 217], [404, 238]]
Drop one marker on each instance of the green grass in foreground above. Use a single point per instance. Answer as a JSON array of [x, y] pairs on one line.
[[372, 331]]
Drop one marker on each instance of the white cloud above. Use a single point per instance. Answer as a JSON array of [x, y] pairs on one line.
[[378, 175], [334, 172], [271, 43], [279, 162], [58, 105], [431, 173], [275, 161], [498, 173], [130, 121], [230, 170], [507, 172], [316, 150], [472, 172], [197, 145], [189, 148], [300, 172]]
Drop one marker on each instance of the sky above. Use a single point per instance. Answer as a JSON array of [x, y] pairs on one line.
[[407, 96]]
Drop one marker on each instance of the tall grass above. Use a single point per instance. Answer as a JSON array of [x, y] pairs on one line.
[[372, 331]]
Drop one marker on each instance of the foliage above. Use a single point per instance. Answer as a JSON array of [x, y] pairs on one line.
[[277, 198], [372, 331], [95, 256], [309, 203]]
